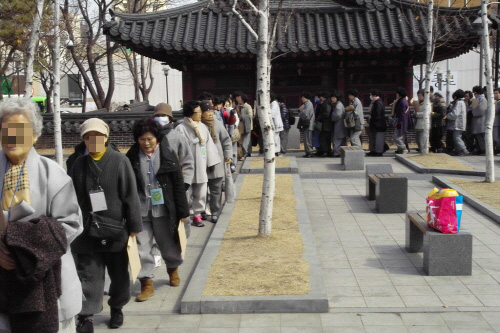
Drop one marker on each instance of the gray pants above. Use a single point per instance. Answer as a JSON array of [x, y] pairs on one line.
[[399, 140], [376, 141], [215, 201], [459, 143], [197, 197], [155, 228], [496, 137], [90, 269], [246, 144], [337, 143], [308, 140], [419, 137], [284, 140], [354, 137]]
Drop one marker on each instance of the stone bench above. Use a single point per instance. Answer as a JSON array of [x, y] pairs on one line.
[[352, 158], [372, 169], [444, 254], [391, 192]]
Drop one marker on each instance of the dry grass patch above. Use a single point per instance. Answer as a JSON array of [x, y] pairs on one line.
[[249, 265], [486, 192], [258, 162], [439, 161]]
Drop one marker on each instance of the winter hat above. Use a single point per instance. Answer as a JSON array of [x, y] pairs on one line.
[[440, 94], [163, 108], [94, 124], [206, 106]]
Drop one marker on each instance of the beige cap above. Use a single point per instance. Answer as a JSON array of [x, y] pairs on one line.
[[163, 108], [94, 124]]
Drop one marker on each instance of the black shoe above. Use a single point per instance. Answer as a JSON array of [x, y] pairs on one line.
[[204, 216], [378, 154], [335, 156], [372, 153], [85, 325], [400, 152], [116, 320], [214, 219], [307, 155]]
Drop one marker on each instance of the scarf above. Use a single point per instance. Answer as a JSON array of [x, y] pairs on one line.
[[11, 180], [195, 126], [211, 126]]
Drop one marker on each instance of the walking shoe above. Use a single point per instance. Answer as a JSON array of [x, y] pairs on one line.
[[214, 219], [173, 274], [85, 325], [335, 156], [116, 320], [147, 290], [204, 216], [400, 152], [372, 153], [307, 155], [197, 221], [464, 152]]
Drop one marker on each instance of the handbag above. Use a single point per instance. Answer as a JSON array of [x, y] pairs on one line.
[[318, 126], [105, 228], [291, 118], [444, 210], [393, 122]]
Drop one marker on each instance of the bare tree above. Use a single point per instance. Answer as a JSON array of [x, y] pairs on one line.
[[256, 19], [92, 52], [490, 112], [430, 56], [32, 46]]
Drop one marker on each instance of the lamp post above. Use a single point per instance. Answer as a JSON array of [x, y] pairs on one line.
[[166, 70], [439, 75]]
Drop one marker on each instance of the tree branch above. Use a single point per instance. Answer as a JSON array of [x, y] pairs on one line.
[[243, 21], [252, 6]]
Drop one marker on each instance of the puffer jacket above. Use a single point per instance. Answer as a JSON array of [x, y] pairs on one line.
[[457, 118]]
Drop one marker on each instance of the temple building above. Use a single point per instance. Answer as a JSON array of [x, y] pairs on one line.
[[319, 44]]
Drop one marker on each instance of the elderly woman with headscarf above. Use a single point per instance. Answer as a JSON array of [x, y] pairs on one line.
[[34, 186], [163, 202], [107, 193]]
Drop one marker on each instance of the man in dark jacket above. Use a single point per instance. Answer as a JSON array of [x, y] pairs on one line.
[[324, 117], [105, 184], [378, 124], [437, 122], [285, 118]]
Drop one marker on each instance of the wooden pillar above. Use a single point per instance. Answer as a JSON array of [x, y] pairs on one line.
[[187, 86], [408, 81]]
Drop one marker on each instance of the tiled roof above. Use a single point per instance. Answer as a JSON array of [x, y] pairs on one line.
[[316, 25]]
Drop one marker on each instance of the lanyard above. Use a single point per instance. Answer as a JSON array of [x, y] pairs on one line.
[[15, 191], [151, 173]]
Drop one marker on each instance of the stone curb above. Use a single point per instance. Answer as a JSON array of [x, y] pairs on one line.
[[316, 301], [478, 205], [421, 169], [293, 168]]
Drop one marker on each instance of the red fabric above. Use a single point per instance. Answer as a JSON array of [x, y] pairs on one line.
[[442, 214]]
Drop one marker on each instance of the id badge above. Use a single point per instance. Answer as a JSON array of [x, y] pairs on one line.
[[156, 196], [98, 201], [203, 151]]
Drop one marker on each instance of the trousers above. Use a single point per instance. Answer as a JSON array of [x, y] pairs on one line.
[[354, 137], [215, 197], [325, 142], [90, 269], [459, 143], [308, 141], [376, 141], [156, 229], [197, 197], [419, 137], [284, 141], [246, 144], [399, 140]]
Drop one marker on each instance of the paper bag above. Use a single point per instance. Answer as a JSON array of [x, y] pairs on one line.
[[182, 238], [133, 258]]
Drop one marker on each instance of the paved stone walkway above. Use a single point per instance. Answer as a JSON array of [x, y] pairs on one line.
[[373, 285]]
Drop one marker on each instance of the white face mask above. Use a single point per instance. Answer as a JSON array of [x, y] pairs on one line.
[[162, 120]]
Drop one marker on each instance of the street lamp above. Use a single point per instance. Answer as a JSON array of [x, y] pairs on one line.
[[166, 69], [478, 25], [439, 75]]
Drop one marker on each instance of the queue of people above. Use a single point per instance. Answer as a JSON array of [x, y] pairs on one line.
[[171, 177]]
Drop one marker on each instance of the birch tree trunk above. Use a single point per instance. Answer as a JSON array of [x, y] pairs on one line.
[[265, 120], [490, 111], [32, 45], [430, 54], [57, 87]]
